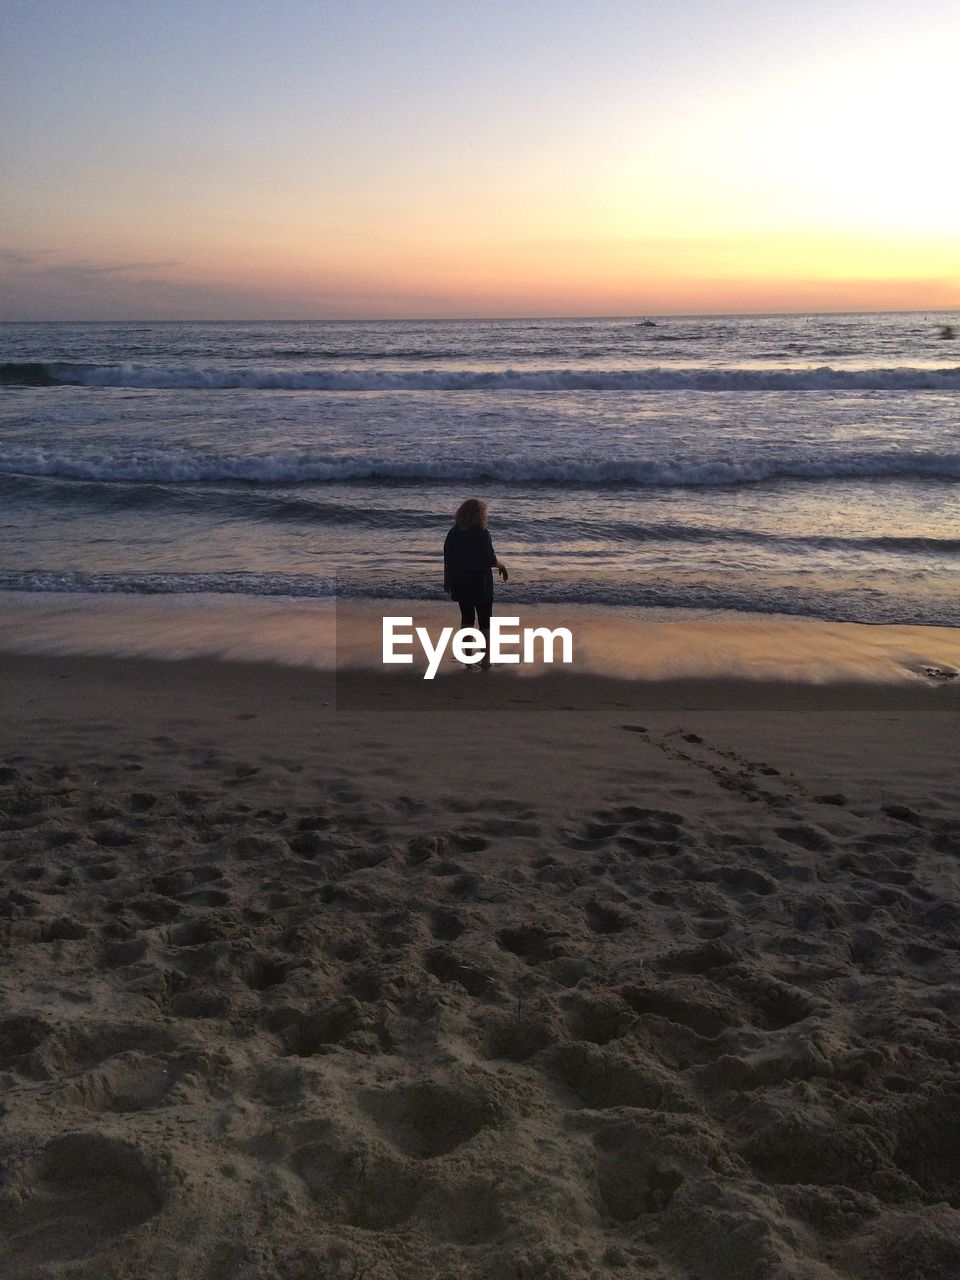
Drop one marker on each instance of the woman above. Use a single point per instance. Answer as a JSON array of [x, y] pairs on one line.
[[468, 564]]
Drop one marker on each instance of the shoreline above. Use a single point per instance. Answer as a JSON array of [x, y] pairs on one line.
[[647, 646]]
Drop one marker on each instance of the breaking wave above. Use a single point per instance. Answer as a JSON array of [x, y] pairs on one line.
[[174, 466], [650, 591], [149, 377]]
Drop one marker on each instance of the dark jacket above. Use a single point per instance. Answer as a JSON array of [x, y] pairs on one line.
[[468, 562]]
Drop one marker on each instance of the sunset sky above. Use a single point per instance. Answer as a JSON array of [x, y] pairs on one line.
[[315, 159]]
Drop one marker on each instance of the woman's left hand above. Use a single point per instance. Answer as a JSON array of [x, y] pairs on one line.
[[502, 570]]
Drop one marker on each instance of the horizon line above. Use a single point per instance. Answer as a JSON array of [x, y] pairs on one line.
[[457, 319]]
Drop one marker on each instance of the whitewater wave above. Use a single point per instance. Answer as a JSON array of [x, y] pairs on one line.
[[300, 585], [172, 466], [825, 378], [864, 606]]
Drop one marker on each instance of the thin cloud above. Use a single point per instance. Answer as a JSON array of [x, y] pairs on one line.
[[86, 270], [17, 258]]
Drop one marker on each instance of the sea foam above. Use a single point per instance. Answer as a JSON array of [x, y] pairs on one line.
[[149, 377], [183, 466]]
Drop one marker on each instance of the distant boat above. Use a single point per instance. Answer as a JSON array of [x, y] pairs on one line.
[[647, 324], [947, 331]]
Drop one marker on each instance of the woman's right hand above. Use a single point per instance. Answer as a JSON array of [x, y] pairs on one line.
[[502, 570]]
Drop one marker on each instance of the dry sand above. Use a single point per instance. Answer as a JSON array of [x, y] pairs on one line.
[[548, 979]]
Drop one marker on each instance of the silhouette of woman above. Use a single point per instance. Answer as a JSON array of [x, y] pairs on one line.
[[468, 564]]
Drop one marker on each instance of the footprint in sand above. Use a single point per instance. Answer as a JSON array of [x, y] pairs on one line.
[[265, 972], [357, 1185], [643, 1163], [431, 1118], [81, 1191], [532, 943], [20, 1036], [517, 1037], [446, 926], [447, 967], [468, 842], [131, 1082], [770, 1004], [599, 1019], [806, 838], [603, 1079], [706, 1018], [604, 918], [630, 825], [307, 1033]]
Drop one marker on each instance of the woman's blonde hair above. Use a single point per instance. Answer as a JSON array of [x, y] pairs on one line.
[[471, 514]]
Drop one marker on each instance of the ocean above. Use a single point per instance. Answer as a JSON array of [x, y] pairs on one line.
[[801, 465]]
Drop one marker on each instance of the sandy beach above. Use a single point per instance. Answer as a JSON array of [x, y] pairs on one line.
[[562, 977]]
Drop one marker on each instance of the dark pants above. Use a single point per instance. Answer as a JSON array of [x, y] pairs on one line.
[[475, 613]]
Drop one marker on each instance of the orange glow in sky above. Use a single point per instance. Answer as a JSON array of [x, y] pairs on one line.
[[376, 160]]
